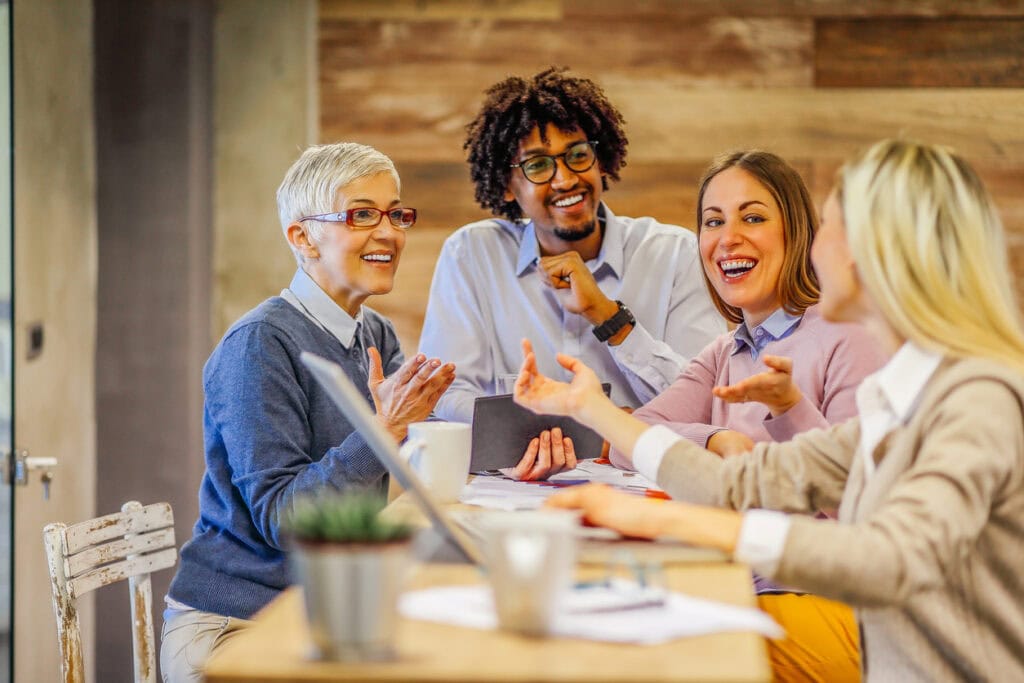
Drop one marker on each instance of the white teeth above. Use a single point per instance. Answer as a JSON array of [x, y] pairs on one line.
[[569, 201], [737, 266], [383, 258]]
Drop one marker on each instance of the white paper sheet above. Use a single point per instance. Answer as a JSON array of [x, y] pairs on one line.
[[503, 493], [679, 616]]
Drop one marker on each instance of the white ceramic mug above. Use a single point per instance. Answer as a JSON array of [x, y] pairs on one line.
[[439, 453], [530, 564]]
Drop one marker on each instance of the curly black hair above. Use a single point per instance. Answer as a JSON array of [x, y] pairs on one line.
[[511, 110]]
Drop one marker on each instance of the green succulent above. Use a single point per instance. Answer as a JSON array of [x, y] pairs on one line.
[[344, 518]]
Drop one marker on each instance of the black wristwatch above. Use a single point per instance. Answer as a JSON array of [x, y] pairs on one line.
[[609, 327]]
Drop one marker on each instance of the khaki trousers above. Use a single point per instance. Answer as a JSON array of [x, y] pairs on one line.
[[189, 638]]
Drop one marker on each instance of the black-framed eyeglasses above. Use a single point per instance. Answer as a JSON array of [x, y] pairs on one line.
[[541, 168], [367, 217]]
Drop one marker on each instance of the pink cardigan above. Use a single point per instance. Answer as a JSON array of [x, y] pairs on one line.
[[829, 362]]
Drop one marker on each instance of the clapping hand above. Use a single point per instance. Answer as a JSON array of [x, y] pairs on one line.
[[410, 393]]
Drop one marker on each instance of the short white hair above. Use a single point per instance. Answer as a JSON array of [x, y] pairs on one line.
[[311, 185]]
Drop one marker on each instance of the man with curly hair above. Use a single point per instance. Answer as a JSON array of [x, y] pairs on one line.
[[626, 295]]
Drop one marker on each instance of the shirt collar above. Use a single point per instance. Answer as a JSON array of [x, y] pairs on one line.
[[776, 326], [610, 256], [904, 377], [322, 309]]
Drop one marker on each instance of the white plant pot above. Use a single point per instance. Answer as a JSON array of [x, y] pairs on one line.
[[351, 596]]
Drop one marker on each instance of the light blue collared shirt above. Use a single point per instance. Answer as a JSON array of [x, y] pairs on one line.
[[778, 325], [488, 294], [305, 294]]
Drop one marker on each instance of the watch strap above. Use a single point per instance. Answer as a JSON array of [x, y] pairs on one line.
[[612, 325]]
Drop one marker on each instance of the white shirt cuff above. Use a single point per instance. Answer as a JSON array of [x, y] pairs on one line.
[[651, 447], [762, 540]]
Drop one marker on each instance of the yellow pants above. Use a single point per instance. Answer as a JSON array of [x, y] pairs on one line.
[[821, 644]]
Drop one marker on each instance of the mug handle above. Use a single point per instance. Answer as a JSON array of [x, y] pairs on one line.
[[411, 452]]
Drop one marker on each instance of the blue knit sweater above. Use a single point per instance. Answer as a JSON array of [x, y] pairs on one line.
[[271, 434]]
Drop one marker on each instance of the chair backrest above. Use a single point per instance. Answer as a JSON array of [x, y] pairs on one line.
[[83, 557]]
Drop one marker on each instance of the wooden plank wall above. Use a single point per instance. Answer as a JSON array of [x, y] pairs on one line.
[[813, 80]]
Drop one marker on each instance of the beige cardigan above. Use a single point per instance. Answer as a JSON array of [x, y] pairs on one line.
[[929, 550]]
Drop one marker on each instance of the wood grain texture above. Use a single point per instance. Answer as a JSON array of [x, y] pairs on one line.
[[667, 10], [815, 123], [971, 52], [666, 124], [458, 60], [439, 10], [276, 647]]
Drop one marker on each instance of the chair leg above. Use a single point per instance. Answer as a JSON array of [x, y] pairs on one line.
[[69, 635], [141, 592]]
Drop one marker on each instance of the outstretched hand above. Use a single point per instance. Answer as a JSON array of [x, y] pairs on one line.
[[410, 393], [547, 396], [774, 388], [640, 517], [602, 505]]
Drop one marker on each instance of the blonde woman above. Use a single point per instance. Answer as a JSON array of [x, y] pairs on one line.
[[928, 480]]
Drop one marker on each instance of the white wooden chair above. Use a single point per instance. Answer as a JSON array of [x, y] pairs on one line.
[[83, 557]]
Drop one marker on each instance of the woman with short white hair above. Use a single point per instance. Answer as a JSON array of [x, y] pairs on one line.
[[928, 480], [272, 434]]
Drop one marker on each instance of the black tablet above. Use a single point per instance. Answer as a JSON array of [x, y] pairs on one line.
[[502, 430]]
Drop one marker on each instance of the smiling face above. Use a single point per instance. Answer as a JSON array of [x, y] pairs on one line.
[[351, 264], [563, 210], [742, 243]]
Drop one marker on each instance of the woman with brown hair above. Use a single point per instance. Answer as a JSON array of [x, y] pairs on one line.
[[757, 224]]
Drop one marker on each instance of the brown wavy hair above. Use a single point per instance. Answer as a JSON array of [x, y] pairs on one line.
[[798, 285], [511, 110]]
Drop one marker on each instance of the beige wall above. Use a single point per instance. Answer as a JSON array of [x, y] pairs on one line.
[[55, 273], [264, 115]]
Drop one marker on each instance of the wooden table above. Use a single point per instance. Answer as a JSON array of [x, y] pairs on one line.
[[275, 649]]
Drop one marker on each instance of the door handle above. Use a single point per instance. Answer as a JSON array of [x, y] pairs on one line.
[[19, 463]]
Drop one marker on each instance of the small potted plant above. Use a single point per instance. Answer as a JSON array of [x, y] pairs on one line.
[[350, 563]]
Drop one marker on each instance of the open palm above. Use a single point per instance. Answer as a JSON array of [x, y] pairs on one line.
[[542, 394]]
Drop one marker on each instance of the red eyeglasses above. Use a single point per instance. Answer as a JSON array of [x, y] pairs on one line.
[[367, 217]]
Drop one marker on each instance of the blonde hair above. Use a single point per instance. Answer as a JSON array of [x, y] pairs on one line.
[[930, 250], [311, 185]]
